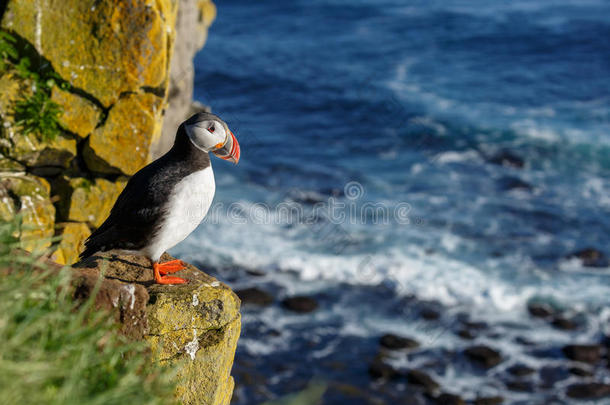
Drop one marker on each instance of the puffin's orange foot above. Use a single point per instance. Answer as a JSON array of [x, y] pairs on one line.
[[159, 268], [171, 267]]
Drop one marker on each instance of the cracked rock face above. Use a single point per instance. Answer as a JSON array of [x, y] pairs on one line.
[[115, 62], [28, 196], [106, 47], [196, 325]]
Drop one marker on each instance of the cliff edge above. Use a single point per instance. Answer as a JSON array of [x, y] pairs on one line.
[[90, 92], [195, 325]]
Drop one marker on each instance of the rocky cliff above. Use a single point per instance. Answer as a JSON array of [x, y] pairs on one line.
[[90, 92], [194, 326]]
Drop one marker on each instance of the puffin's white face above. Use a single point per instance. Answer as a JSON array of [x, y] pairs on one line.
[[207, 135]]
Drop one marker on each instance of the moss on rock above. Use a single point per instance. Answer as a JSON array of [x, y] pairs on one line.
[[29, 196], [195, 325], [10, 165], [28, 148]]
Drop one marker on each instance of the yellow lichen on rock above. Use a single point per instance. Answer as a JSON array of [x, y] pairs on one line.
[[122, 144], [208, 12], [31, 151], [193, 326], [197, 324], [28, 196], [79, 115], [28, 148], [85, 200], [73, 236], [103, 47]]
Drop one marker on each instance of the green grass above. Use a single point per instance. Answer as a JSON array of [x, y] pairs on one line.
[[57, 351], [35, 113]]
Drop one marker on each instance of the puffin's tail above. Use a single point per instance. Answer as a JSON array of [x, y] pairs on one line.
[[96, 242], [90, 249]]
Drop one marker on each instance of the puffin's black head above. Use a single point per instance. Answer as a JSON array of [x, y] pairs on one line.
[[211, 134]]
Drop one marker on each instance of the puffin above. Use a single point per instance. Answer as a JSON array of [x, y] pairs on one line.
[[166, 200]]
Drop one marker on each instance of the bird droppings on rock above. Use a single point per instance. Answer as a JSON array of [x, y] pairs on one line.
[[128, 294], [192, 346]]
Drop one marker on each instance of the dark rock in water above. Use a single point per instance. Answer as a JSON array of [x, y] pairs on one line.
[[470, 329], [523, 341], [507, 158], [466, 334], [430, 314], [520, 370], [580, 372], [550, 375], [418, 377], [394, 342], [484, 355], [540, 309], [254, 296], [513, 183], [585, 353], [476, 325], [274, 333], [378, 369], [591, 390], [488, 401], [591, 257], [255, 273], [449, 399], [300, 304], [520, 385], [564, 323]]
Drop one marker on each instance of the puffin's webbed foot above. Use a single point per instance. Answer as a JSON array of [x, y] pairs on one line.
[[161, 269], [171, 267]]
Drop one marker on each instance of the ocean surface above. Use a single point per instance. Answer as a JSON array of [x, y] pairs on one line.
[[402, 157]]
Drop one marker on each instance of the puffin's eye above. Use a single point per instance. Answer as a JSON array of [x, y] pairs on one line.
[[211, 128]]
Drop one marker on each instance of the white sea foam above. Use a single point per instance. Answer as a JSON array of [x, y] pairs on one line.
[[457, 157], [430, 276]]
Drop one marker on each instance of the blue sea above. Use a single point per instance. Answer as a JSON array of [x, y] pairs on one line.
[[403, 158]]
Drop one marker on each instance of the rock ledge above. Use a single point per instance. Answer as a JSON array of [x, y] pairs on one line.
[[196, 325]]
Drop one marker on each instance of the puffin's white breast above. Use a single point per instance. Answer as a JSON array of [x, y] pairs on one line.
[[188, 204]]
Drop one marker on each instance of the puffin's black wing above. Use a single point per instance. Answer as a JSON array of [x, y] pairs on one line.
[[138, 211]]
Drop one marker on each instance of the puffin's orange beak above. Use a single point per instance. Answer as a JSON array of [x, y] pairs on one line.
[[230, 150]]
